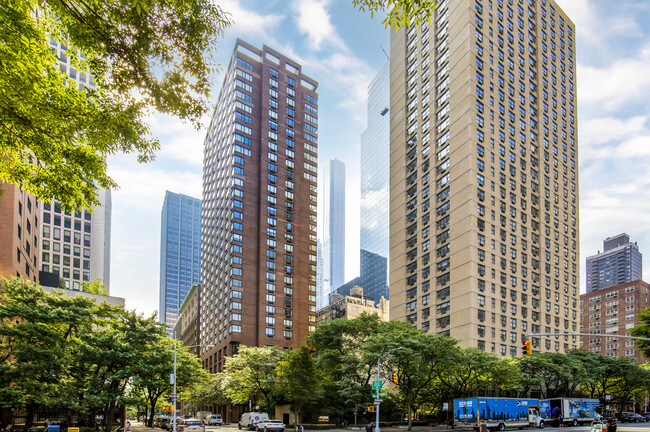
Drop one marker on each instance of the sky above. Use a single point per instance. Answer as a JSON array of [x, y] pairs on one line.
[[343, 49]]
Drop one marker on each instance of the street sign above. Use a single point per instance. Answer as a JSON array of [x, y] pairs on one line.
[[378, 401], [377, 384], [380, 394], [445, 406]]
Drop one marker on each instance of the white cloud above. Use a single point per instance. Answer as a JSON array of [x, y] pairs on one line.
[[249, 22], [147, 183], [179, 141], [313, 19], [608, 129], [598, 23], [621, 82]]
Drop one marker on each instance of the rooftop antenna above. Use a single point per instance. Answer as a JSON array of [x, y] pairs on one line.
[[385, 53]]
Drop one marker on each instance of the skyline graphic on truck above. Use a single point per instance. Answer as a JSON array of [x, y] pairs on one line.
[[467, 411]]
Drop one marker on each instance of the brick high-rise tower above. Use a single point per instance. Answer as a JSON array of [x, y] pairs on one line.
[[258, 251]]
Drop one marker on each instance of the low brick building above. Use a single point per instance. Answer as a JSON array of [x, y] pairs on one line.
[[612, 311]]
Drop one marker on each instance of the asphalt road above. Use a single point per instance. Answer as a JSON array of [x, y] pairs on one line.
[[622, 427]]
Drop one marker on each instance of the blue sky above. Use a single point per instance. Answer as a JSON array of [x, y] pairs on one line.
[[342, 49]]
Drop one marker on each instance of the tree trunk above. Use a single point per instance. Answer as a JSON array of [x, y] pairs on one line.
[[409, 417], [108, 418], [29, 419], [356, 413]]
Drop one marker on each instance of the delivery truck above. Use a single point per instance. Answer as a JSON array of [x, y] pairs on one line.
[[498, 413], [569, 411]]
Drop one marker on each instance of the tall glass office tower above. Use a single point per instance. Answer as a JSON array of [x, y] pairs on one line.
[[180, 253], [375, 169], [337, 224]]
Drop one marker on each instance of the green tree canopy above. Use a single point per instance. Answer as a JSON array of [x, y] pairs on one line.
[[143, 56], [251, 375], [298, 380]]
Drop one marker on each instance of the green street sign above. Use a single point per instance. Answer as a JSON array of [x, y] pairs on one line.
[[383, 394], [377, 384]]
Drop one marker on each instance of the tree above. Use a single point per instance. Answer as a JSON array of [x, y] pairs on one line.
[[207, 391], [338, 354], [474, 372], [143, 55], [418, 359], [151, 380], [94, 287], [251, 373], [298, 381], [400, 13], [38, 333]]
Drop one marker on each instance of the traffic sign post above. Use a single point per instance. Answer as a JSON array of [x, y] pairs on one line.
[[377, 384]]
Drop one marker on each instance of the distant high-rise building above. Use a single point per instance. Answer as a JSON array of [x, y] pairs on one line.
[[612, 311], [258, 251], [77, 247], [484, 175], [320, 283], [19, 248], [375, 183], [180, 253], [336, 211], [620, 262]]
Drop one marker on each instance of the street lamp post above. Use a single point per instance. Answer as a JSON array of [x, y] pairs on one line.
[[175, 396], [379, 390]]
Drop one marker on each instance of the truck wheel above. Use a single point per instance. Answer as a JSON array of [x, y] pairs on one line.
[[575, 423], [541, 425], [501, 427]]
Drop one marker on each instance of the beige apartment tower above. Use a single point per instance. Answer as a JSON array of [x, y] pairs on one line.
[[484, 175]]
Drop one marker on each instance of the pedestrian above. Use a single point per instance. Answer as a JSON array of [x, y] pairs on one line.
[[120, 427], [127, 427], [482, 427], [369, 427], [47, 425], [561, 421], [611, 424]]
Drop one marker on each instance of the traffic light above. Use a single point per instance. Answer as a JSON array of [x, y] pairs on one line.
[[395, 379], [526, 349], [372, 408]]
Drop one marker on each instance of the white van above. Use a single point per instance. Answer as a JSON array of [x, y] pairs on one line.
[[250, 420]]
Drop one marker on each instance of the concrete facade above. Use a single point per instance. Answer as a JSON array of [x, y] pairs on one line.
[[484, 175]]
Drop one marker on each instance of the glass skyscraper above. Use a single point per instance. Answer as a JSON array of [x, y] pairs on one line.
[[375, 169], [336, 224], [620, 262], [180, 253]]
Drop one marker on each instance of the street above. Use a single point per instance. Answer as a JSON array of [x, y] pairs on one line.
[[625, 427]]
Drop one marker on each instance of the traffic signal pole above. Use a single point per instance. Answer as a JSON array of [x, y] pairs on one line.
[[378, 396]]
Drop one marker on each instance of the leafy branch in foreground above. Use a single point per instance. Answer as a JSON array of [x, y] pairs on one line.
[[55, 134]]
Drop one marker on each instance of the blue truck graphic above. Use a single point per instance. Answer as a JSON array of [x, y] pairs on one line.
[[498, 413]]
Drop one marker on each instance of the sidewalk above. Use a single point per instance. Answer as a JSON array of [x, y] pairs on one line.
[[140, 427]]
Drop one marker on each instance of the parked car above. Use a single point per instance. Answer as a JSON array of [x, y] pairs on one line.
[[628, 417], [215, 419], [270, 425], [190, 425], [250, 420]]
